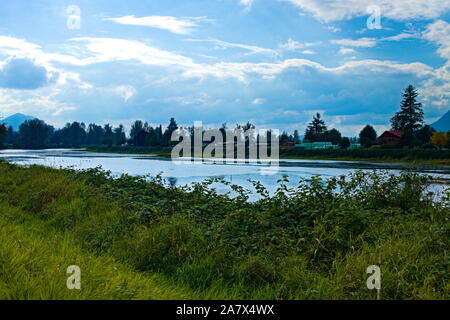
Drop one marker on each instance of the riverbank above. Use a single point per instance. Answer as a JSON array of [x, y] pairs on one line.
[[191, 243], [434, 162], [414, 157]]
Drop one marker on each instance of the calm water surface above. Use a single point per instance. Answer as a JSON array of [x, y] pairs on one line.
[[180, 173]]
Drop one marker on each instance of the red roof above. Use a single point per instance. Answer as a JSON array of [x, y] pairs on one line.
[[397, 134]]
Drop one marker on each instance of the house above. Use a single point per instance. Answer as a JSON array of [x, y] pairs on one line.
[[391, 137], [287, 144]]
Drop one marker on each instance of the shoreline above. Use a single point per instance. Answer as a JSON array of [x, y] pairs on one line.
[[443, 164], [432, 162]]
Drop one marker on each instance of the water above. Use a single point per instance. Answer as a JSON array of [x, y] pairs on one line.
[[180, 173]]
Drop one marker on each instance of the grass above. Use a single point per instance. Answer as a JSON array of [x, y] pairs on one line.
[[415, 156], [429, 162], [136, 238], [33, 266]]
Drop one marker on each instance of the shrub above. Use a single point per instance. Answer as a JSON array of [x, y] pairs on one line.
[[309, 242]]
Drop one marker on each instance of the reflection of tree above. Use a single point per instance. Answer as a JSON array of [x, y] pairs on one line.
[[172, 181]]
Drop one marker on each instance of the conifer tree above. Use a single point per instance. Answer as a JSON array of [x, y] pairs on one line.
[[410, 116], [316, 129]]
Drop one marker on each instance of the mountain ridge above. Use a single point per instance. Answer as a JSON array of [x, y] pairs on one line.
[[16, 120], [443, 124]]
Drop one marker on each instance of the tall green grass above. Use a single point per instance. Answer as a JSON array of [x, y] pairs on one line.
[[33, 266], [312, 242]]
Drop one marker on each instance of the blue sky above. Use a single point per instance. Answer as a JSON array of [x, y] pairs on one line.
[[272, 62]]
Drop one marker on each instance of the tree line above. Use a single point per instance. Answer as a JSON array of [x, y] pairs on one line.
[[36, 134], [409, 121]]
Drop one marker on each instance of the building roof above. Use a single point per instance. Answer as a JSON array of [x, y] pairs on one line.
[[397, 134]]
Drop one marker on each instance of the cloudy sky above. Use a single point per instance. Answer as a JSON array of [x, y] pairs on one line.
[[273, 62]]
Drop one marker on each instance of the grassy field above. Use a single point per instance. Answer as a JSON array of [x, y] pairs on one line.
[[140, 239], [34, 265]]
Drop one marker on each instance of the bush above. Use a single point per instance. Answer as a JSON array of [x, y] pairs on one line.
[[310, 242]]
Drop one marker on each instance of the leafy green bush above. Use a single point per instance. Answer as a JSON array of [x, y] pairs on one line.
[[313, 241]]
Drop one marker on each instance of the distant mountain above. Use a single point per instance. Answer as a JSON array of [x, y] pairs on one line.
[[443, 125], [16, 120]]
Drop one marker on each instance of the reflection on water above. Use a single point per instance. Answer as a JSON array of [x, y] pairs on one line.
[[183, 172], [172, 181]]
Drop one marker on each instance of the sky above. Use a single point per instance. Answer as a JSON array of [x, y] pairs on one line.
[[274, 63]]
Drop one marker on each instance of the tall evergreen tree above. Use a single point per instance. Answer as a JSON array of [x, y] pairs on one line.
[[172, 127], [108, 138], [316, 129], [410, 116]]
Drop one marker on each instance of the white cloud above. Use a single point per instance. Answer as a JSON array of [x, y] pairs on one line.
[[441, 103], [402, 36], [439, 33], [197, 99], [110, 49], [19, 48], [362, 42], [309, 52], [328, 11], [372, 42], [40, 102], [291, 113], [225, 45], [13, 46], [99, 50], [334, 29], [345, 51], [107, 49], [241, 71], [258, 101], [125, 92], [247, 3], [175, 25], [437, 88], [293, 45]]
